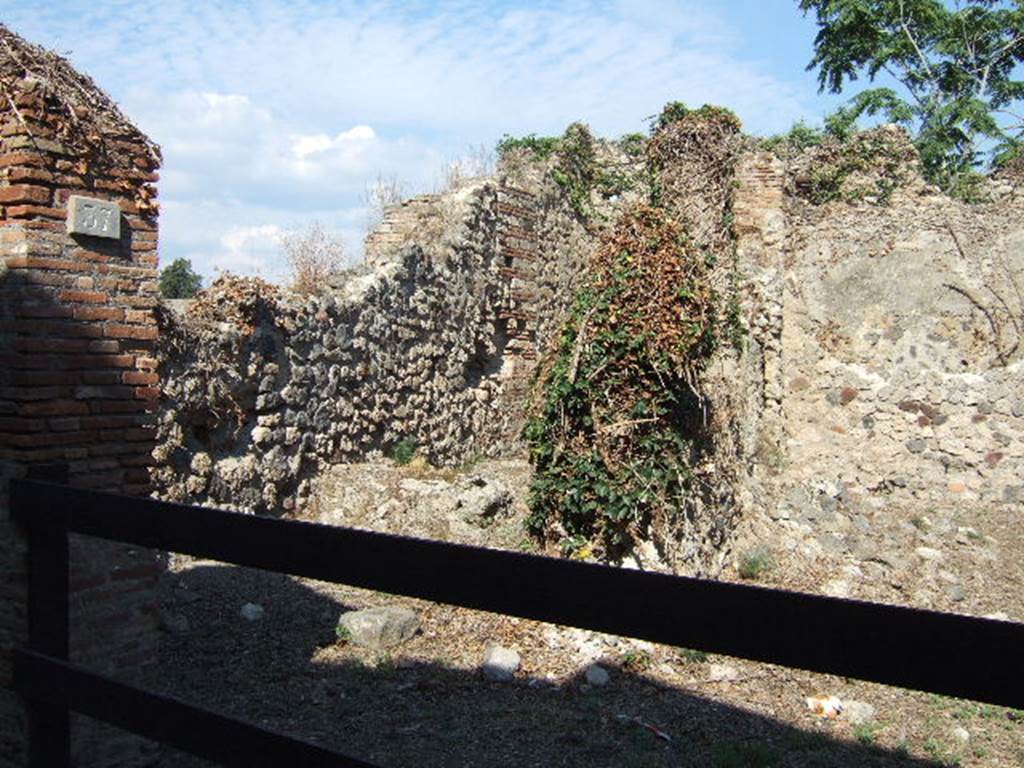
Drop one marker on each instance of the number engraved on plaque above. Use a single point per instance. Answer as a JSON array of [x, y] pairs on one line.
[[99, 218]]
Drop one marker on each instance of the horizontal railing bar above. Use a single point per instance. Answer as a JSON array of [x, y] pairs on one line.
[[226, 740], [943, 653]]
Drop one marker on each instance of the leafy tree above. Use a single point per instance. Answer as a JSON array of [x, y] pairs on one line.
[[956, 64], [179, 281]]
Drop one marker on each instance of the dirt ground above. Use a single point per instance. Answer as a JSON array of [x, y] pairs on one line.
[[426, 702]]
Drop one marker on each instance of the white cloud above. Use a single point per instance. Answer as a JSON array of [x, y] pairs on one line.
[[303, 146], [272, 112], [238, 239]]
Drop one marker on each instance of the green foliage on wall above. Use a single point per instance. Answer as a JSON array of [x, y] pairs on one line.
[[612, 438]]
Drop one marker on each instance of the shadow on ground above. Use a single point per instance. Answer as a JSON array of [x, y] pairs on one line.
[[392, 713]]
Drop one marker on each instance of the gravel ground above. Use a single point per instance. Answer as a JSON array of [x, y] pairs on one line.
[[427, 703]]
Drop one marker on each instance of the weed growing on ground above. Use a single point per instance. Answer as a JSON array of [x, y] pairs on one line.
[[693, 656], [637, 660], [755, 565], [865, 733], [403, 451], [343, 634]]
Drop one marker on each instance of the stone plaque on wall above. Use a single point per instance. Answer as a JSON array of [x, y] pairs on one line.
[[88, 216]]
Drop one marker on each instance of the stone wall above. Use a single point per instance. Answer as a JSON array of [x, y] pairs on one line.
[[888, 337], [408, 349], [78, 381]]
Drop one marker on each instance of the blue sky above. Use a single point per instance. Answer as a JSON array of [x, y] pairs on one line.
[[273, 114]]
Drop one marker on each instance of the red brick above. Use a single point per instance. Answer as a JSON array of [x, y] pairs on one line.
[[101, 377], [42, 310], [136, 476], [25, 211], [27, 362], [30, 174], [71, 180], [146, 393], [117, 331], [51, 345], [65, 453], [100, 361], [54, 408], [139, 301], [65, 424], [115, 406], [109, 422], [114, 449], [138, 434], [121, 173], [98, 313], [49, 226], [53, 328], [139, 378], [24, 193], [90, 297], [46, 439], [44, 378], [16, 295], [18, 424], [35, 262], [102, 392], [124, 270], [145, 460], [141, 224], [49, 279], [106, 346], [93, 257], [140, 316], [23, 158]]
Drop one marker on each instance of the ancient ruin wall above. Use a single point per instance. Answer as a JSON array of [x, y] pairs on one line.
[[412, 348], [78, 384], [432, 342], [886, 333]]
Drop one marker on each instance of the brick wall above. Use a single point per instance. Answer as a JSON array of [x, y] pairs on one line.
[[517, 252], [78, 381]]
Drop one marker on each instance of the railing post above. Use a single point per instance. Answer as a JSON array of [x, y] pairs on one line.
[[49, 724]]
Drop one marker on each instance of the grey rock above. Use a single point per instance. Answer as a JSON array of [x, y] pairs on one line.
[[378, 628], [915, 445], [186, 596], [500, 663], [174, 623], [858, 712], [960, 735], [483, 497], [723, 673], [251, 612], [597, 675]]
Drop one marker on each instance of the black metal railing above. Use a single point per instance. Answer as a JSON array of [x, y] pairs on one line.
[[948, 654]]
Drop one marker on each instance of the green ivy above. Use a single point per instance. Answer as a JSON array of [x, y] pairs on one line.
[[596, 486], [541, 147]]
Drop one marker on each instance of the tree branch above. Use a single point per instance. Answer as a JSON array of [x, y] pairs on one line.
[[913, 41]]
